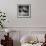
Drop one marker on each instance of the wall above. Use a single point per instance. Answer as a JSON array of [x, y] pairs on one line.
[[38, 13]]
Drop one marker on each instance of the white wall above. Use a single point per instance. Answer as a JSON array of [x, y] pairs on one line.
[[38, 13]]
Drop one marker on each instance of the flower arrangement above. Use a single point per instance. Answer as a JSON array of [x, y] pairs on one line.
[[2, 19]]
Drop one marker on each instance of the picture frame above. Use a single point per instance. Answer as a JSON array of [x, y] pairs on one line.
[[24, 10]]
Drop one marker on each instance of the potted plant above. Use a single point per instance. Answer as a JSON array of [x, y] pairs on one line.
[[2, 19]]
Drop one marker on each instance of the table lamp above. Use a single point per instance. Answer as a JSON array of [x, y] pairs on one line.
[[7, 31]]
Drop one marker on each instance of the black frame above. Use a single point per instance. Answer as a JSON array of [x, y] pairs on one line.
[[24, 7]]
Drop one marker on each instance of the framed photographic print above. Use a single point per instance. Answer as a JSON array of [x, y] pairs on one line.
[[24, 10]]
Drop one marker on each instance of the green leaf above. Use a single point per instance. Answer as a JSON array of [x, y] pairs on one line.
[[2, 26], [0, 12], [4, 16], [0, 21], [3, 19], [4, 13]]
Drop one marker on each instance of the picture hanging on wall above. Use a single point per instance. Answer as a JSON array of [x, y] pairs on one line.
[[24, 10]]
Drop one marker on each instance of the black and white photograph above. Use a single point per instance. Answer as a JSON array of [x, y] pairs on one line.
[[24, 10]]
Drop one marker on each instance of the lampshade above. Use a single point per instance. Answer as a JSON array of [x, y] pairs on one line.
[[7, 30]]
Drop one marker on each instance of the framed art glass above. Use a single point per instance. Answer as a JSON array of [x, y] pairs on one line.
[[24, 10]]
